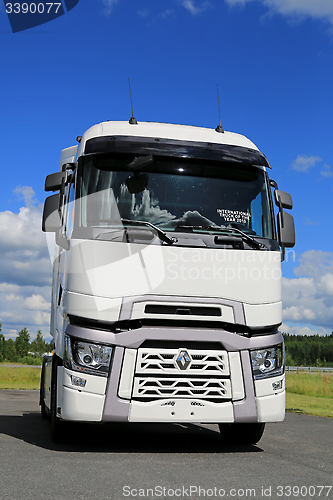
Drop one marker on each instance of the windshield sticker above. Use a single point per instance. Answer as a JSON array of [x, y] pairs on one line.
[[234, 216]]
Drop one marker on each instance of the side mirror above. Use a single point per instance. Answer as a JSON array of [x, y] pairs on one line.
[[53, 182], [51, 221], [283, 198], [286, 229]]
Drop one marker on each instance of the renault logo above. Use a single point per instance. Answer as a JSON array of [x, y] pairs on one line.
[[183, 360]]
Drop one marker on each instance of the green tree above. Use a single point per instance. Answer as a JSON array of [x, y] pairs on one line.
[[10, 351], [38, 346], [50, 346], [2, 346], [22, 343]]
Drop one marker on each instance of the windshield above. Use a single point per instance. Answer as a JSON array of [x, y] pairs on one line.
[[176, 194]]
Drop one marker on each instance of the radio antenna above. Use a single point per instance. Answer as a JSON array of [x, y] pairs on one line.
[[219, 128], [132, 120]]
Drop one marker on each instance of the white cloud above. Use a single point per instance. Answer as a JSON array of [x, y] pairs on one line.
[[318, 9], [12, 334], [143, 13], [326, 284], [25, 268], [27, 194], [193, 8], [326, 171], [24, 258], [304, 330], [36, 302], [308, 299], [315, 264], [152, 18], [25, 308], [109, 4], [310, 222], [304, 163]]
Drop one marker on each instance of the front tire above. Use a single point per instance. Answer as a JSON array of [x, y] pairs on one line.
[[241, 434], [56, 425], [43, 408]]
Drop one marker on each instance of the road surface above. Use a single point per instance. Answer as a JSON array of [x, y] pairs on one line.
[[294, 459]]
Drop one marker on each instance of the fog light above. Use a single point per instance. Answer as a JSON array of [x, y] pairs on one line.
[[79, 382], [277, 385]]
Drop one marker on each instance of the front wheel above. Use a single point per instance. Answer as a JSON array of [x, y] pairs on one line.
[[44, 412], [57, 426], [241, 434]]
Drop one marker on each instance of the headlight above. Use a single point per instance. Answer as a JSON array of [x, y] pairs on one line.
[[268, 362], [87, 357]]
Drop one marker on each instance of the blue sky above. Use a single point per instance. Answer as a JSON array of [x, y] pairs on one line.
[[273, 61]]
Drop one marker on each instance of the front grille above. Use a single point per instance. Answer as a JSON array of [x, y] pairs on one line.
[[164, 361], [181, 373], [154, 388]]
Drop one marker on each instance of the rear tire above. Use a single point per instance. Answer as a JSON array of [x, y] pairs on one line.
[[241, 434]]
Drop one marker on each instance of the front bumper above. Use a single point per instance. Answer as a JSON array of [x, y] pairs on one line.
[[116, 398]]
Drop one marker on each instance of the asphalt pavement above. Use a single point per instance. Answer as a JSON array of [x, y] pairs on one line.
[[294, 459]]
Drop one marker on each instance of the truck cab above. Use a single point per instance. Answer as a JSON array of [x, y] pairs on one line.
[[166, 295]]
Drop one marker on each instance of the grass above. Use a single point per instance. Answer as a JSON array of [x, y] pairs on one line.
[[12, 377], [307, 393], [310, 384], [310, 393], [309, 405]]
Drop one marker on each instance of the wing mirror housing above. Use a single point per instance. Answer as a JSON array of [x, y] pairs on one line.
[[283, 199], [285, 221], [286, 229], [53, 182], [51, 221]]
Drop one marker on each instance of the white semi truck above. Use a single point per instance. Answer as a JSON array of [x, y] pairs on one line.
[[166, 296]]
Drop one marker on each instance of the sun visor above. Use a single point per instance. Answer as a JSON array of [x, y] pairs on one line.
[[180, 149]]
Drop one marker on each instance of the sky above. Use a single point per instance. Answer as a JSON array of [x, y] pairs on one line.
[[273, 62]]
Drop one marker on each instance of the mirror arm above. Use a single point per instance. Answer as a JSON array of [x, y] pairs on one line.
[[68, 166], [273, 184], [283, 252], [281, 211], [61, 241]]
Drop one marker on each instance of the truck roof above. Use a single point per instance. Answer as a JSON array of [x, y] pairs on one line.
[[165, 139], [165, 131]]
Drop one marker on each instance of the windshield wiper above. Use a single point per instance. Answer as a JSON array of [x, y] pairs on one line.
[[251, 241], [161, 234], [248, 238]]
